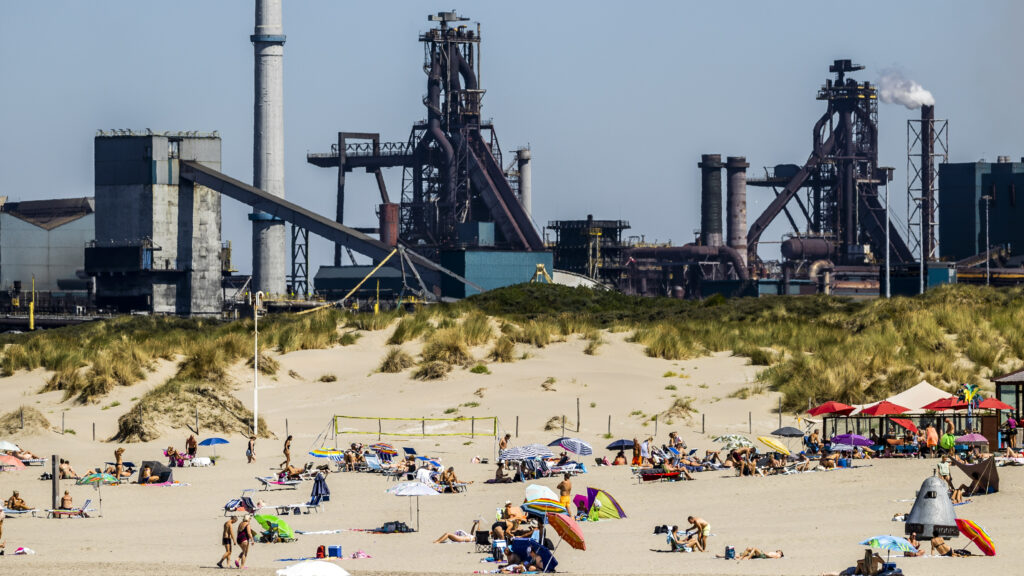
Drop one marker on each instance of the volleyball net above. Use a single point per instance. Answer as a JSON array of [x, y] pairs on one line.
[[387, 426]]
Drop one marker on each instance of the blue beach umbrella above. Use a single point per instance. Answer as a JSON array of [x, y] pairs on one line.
[[213, 442]]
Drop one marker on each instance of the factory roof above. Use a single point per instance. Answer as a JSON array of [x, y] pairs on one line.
[[357, 272], [49, 214]]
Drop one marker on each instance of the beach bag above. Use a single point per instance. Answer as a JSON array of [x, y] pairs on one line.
[[320, 551], [730, 553], [947, 442]]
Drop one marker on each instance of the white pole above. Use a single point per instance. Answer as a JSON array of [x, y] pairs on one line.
[[256, 363]]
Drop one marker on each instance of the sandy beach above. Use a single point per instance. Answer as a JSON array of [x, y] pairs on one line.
[[817, 518]]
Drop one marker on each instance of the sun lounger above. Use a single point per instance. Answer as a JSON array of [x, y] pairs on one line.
[[312, 506], [243, 503], [34, 462], [19, 513], [271, 483], [373, 463], [456, 487], [82, 512]]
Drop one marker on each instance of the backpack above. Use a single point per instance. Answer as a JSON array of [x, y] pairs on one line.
[[321, 551]]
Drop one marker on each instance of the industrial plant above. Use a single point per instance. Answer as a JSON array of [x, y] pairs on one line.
[[150, 239]]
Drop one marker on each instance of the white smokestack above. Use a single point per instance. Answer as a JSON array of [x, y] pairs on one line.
[[895, 88]]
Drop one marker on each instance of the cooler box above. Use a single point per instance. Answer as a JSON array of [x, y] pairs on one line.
[[334, 552]]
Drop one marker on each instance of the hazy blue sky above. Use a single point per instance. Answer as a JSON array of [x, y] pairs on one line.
[[617, 100]]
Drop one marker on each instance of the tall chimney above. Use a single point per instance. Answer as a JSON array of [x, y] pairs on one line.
[[525, 193], [736, 203], [268, 237], [711, 199], [927, 182]]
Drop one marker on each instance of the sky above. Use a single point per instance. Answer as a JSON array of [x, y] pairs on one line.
[[616, 100]]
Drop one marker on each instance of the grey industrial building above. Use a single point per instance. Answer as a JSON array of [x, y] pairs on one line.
[[44, 239], [157, 245], [962, 188]]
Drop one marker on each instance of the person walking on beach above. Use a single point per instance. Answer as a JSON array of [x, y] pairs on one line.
[[225, 540], [244, 539], [565, 491], [250, 452], [287, 453], [503, 443]]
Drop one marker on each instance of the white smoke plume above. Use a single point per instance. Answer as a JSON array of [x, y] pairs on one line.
[[895, 88]]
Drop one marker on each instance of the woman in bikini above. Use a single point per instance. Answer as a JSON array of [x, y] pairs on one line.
[[244, 539]]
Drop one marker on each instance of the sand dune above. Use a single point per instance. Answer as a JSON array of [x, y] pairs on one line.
[[817, 518]]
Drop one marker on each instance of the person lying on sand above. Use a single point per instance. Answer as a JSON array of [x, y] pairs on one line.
[[24, 455], [459, 535], [755, 554], [16, 502]]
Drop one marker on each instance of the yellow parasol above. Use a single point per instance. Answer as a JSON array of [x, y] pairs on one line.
[[774, 445]]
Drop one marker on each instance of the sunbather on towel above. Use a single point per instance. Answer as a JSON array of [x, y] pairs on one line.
[[15, 502], [459, 535], [24, 455], [755, 554]]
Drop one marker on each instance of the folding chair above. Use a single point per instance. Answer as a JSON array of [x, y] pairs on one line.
[[482, 543]]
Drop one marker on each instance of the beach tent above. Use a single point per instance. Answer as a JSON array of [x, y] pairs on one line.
[[603, 506], [913, 399], [283, 529], [983, 475], [157, 469], [521, 547]]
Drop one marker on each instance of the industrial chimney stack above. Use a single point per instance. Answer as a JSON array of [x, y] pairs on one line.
[[525, 193], [736, 204], [927, 182], [268, 234], [711, 199]]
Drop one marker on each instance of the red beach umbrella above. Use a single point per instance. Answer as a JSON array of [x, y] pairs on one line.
[[951, 403], [884, 408], [994, 404], [568, 529], [831, 407]]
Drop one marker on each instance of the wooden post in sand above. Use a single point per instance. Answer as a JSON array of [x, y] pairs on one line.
[[197, 418], [517, 426], [655, 425], [780, 411], [22, 417], [378, 430], [577, 415], [609, 425], [750, 422], [285, 428], [702, 423], [93, 431], [563, 425], [61, 422], [423, 426], [472, 427]]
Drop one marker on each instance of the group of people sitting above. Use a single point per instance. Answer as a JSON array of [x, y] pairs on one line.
[[693, 539]]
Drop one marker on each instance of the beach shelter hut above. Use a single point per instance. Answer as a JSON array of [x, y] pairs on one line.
[[603, 506]]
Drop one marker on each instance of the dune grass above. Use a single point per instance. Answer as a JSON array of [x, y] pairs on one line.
[[395, 360]]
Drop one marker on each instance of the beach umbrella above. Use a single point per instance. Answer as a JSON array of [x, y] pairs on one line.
[[976, 534], [575, 445], [535, 491], [213, 442], [972, 439], [890, 544], [542, 506], [774, 445], [6, 446], [733, 441], [283, 529], [994, 404], [851, 439], [788, 432], [313, 568], [97, 480], [884, 408], [8, 461], [384, 448], [410, 490], [842, 448], [326, 453], [951, 403], [568, 529], [831, 407], [525, 452], [906, 424], [620, 444]]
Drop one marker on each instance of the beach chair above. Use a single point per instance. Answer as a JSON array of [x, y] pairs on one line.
[[373, 463], [410, 451], [312, 506], [82, 512], [271, 483], [482, 543], [19, 513], [34, 462]]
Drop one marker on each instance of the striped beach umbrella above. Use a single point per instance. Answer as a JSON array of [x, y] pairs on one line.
[[576, 446], [568, 529], [384, 448], [542, 506], [525, 452], [326, 453], [977, 535]]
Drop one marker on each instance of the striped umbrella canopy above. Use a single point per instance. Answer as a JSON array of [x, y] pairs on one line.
[[568, 529], [384, 448], [972, 438], [525, 452], [97, 478], [576, 446], [326, 452], [977, 535], [542, 506], [774, 445]]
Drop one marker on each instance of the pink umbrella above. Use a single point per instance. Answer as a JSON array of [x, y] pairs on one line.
[[8, 461]]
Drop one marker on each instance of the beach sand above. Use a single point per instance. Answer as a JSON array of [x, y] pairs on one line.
[[816, 518]]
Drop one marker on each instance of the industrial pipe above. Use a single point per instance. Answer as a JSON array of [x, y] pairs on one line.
[[525, 184], [694, 252], [711, 199], [813, 273], [736, 204], [433, 104], [807, 248]]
